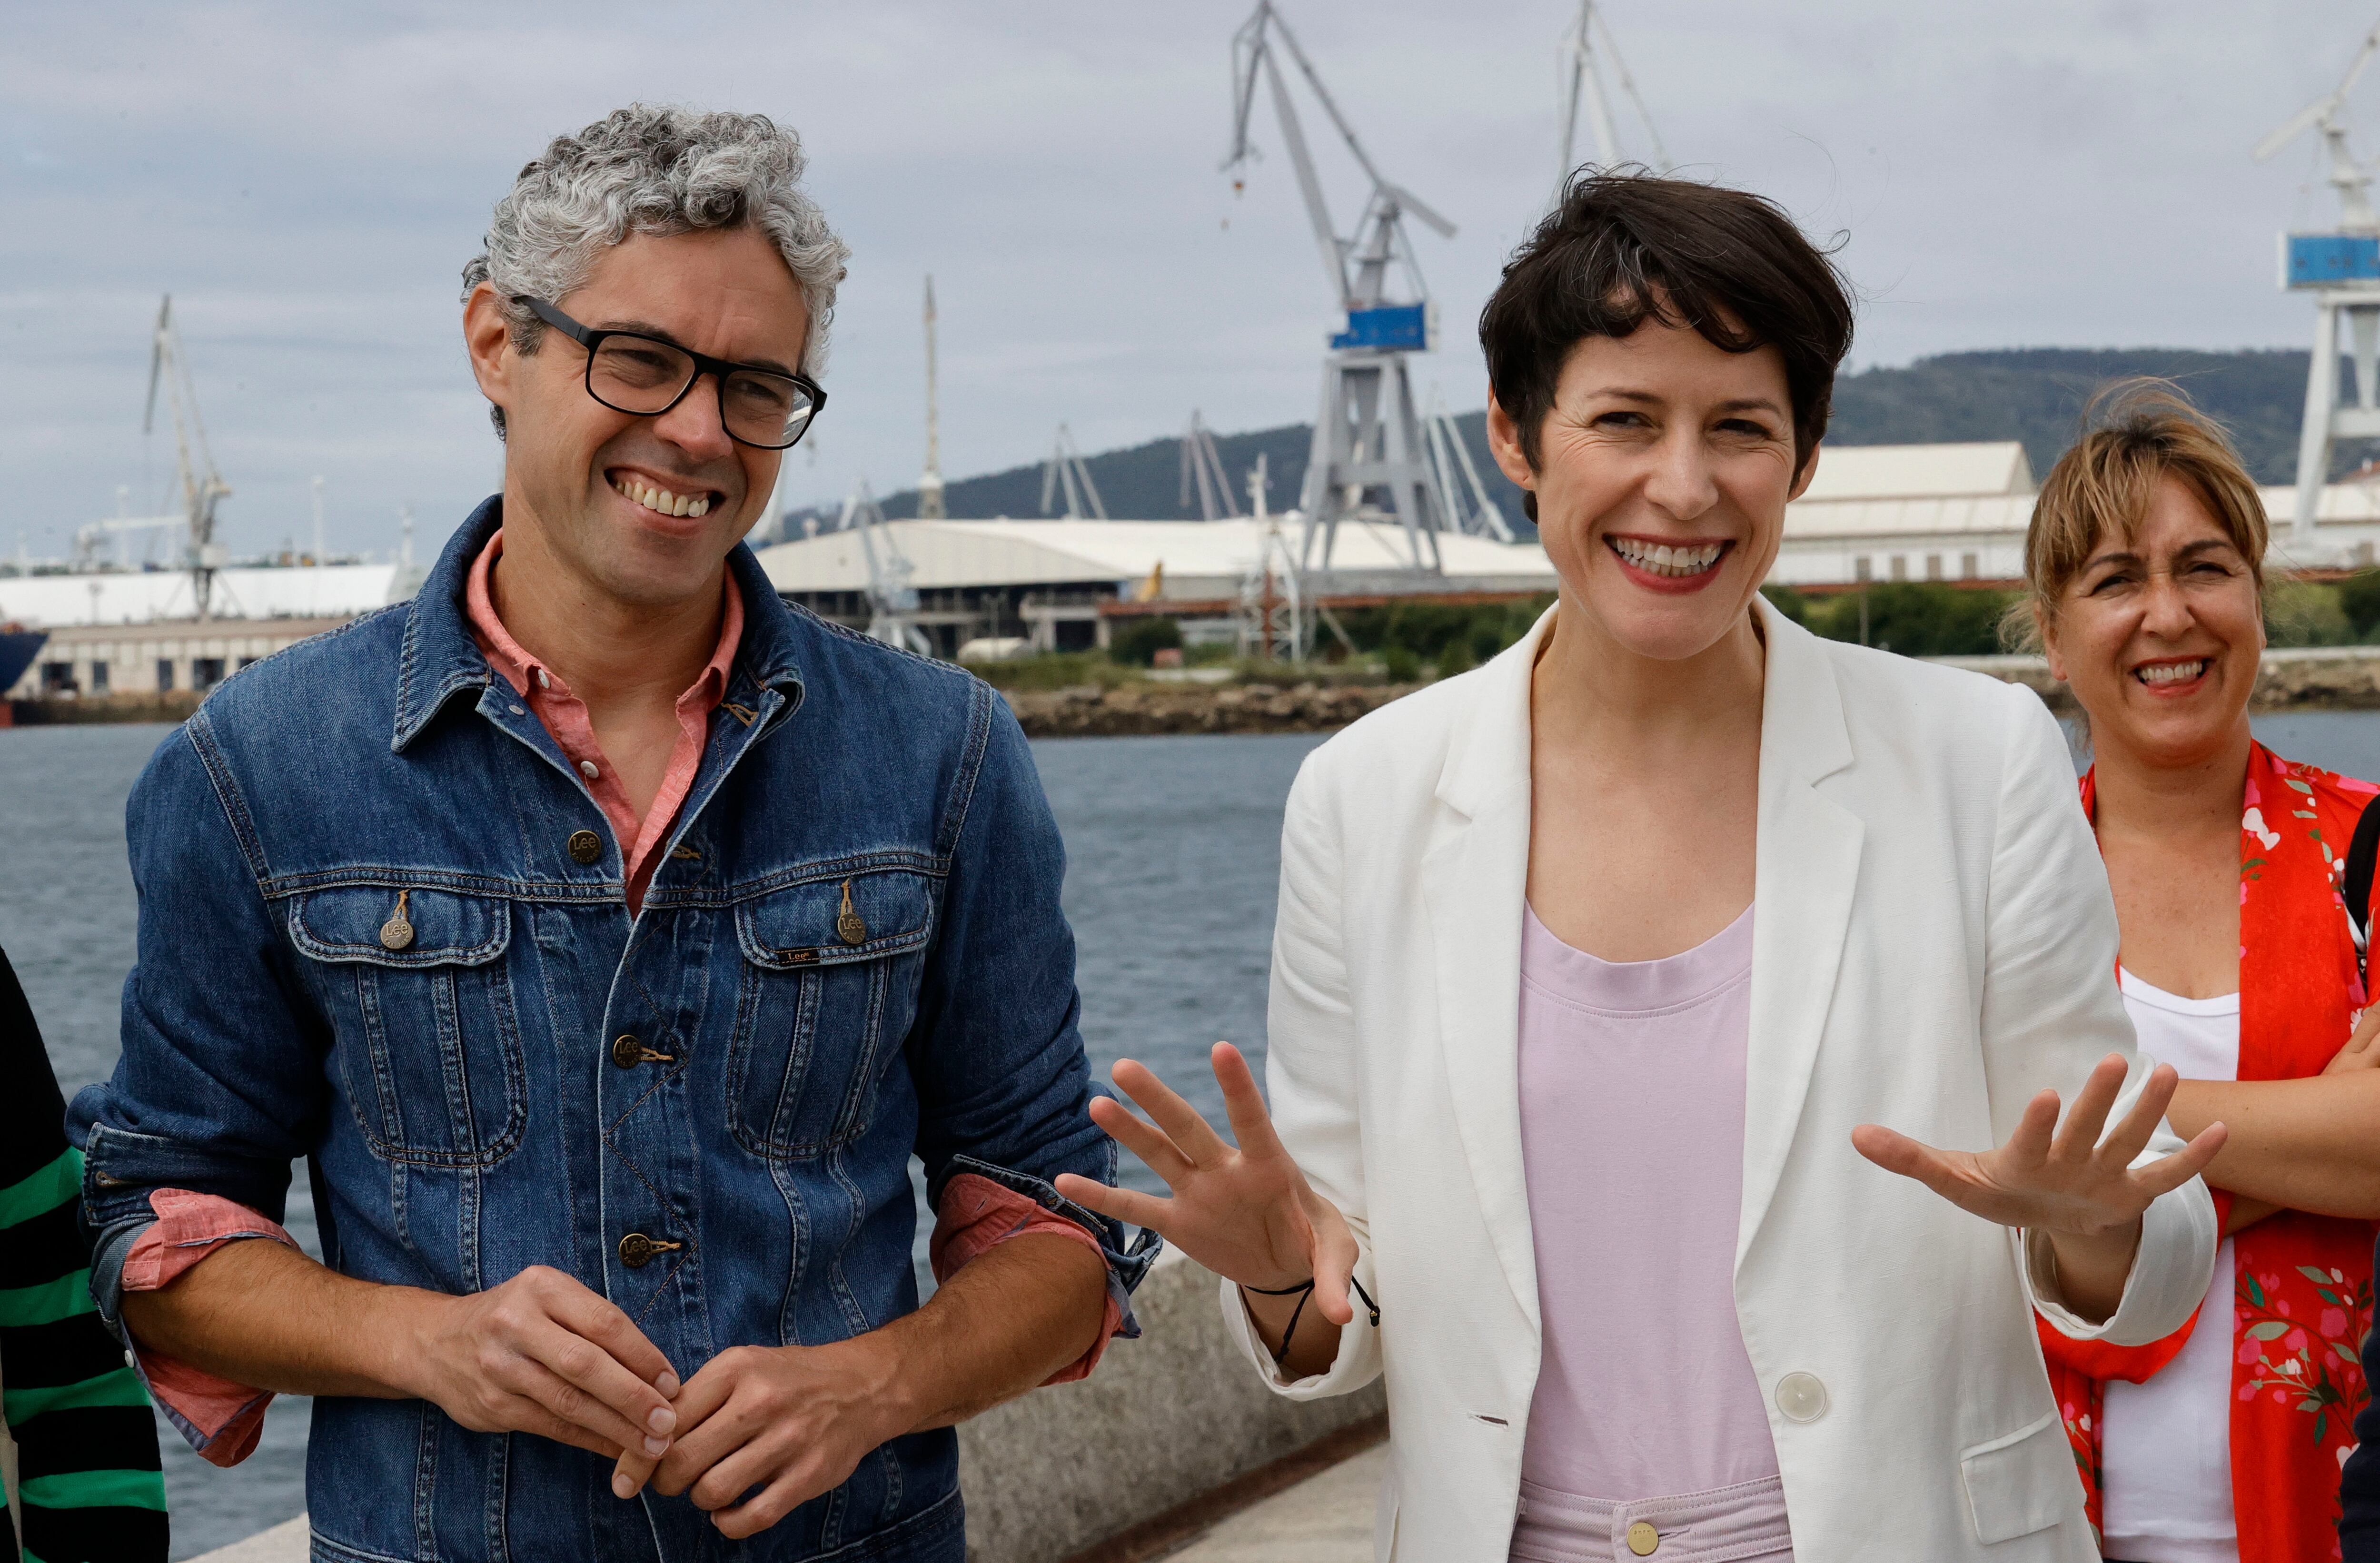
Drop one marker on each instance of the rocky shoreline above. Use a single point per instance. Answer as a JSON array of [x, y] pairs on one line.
[[2298, 679], [1136, 710], [2313, 678]]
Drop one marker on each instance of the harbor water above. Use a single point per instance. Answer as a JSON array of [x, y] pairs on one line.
[[1172, 856]]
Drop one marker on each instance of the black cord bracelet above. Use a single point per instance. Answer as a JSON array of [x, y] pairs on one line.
[[1303, 1292]]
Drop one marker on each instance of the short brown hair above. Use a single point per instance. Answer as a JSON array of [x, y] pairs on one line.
[[1625, 246], [2136, 433]]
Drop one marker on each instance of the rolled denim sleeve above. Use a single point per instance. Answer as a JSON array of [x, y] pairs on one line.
[[1002, 1084], [220, 1085]]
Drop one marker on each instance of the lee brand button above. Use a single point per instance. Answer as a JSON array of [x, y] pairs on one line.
[[1642, 1539], [849, 926], [637, 1250], [627, 1052], [585, 846], [397, 932], [1800, 1397]]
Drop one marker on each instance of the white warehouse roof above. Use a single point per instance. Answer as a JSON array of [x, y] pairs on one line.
[[1202, 559], [1875, 472], [138, 597]]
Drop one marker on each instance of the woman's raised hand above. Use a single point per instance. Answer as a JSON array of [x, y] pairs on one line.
[[2059, 1180], [1246, 1214]]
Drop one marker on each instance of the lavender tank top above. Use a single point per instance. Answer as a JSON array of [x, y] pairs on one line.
[[1631, 1080]]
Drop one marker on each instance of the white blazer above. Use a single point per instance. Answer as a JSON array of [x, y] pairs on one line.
[[1933, 942]]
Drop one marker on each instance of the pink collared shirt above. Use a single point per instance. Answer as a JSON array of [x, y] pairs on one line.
[[566, 718], [224, 1419]]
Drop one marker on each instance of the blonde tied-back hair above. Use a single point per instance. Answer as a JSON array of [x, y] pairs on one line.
[[2136, 434]]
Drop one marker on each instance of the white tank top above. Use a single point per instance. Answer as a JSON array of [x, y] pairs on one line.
[[2164, 1446]]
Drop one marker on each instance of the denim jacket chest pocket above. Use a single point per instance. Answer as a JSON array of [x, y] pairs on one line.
[[425, 1036], [828, 988]]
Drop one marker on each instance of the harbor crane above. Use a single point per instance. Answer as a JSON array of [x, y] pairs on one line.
[[2341, 268], [194, 464], [1202, 468], [1368, 437], [892, 600], [1582, 84], [91, 538], [1064, 475]]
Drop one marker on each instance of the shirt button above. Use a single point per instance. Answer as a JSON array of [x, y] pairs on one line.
[[636, 1251], [627, 1052], [543, 682], [586, 846], [588, 769], [1800, 1397], [1642, 1539]]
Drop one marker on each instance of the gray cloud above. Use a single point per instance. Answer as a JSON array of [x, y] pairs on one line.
[[309, 181]]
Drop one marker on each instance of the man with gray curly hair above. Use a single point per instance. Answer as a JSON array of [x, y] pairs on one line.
[[609, 937]]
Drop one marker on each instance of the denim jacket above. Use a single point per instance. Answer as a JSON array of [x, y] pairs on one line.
[[851, 953]]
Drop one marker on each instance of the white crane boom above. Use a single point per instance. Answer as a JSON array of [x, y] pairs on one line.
[[202, 486], [1203, 466], [1064, 474], [1251, 52], [1584, 83]]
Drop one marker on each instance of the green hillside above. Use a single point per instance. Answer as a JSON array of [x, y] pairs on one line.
[[2034, 394]]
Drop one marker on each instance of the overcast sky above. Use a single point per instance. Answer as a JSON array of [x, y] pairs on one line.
[[309, 180]]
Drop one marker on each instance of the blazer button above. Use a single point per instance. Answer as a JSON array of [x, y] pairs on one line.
[[1800, 1397], [586, 846], [627, 1052], [636, 1251]]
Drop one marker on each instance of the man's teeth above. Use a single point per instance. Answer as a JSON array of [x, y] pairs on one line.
[[2172, 673], [1662, 559], [661, 501]]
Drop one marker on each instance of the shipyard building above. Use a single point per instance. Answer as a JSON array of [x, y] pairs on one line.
[[1950, 512]]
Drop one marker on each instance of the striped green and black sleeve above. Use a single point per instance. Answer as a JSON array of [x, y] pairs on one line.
[[87, 1481]]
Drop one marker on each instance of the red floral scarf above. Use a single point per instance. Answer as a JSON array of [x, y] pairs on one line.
[[2303, 1291]]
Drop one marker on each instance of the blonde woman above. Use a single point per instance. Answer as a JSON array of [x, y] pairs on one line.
[[2222, 1442]]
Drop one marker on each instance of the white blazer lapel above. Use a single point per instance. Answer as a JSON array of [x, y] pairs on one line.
[[1476, 875], [1806, 871]]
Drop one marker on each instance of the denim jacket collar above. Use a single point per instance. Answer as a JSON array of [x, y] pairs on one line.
[[440, 659]]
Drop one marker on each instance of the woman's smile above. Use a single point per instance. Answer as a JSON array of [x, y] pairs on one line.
[[1672, 565], [2174, 678]]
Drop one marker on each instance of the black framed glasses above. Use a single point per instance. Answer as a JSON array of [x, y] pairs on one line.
[[631, 372]]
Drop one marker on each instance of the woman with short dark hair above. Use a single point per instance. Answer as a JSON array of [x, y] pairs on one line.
[[1607, 977]]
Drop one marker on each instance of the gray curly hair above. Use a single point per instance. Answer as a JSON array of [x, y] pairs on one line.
[[654, 170]]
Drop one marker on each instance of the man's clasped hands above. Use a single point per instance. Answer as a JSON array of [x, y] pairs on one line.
[[541, 1353]]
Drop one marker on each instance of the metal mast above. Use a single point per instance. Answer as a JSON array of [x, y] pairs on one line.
[[1582, 81], [1202, 467], [2342, 269], [201, 485], [930, 484], [1272, 620], [1368, 458], [1065, 475]]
